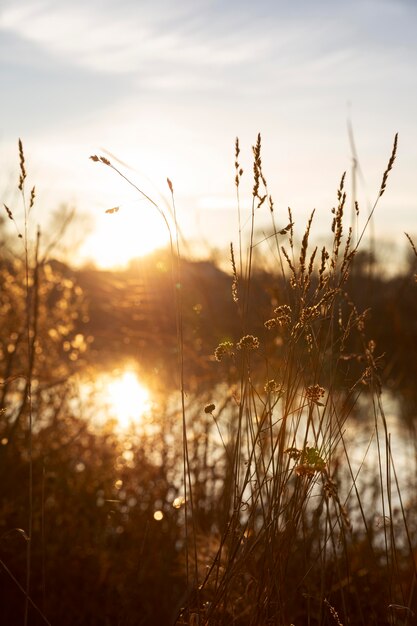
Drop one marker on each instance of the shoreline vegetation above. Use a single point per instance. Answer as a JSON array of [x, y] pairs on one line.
[[240, 497]]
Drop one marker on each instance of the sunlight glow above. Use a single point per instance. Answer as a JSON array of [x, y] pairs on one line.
[[128, 399], [125, 235]]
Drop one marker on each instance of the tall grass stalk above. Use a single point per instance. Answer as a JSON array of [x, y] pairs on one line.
[[270, 509], [30, 338], [284, 498], [190, 539]]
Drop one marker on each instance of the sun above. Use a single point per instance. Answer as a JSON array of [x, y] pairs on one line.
[[130, 232], [128, 400]]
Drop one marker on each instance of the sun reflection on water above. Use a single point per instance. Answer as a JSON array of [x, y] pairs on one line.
[[128, 399], [119, 396]]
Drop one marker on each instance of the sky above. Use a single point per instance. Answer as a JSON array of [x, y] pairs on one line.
[[165, 87]]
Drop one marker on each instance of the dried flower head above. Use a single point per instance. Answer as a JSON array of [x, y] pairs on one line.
[[283, 313], [315, 393], [389, 166], [101, 159], [239, 170], [272, 323], [209, 408], [333, 612], [22, 176], [272, 386], [32, 197], [293, 453], [310, 462], [224, 348], [361, 322], [309, 313], [11, 217], [305, 470], [248, 342], [9, 213]]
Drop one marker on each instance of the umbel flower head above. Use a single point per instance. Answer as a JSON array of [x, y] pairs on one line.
[[315, 393], [309, 461], [272, 386], [224, 348], [282, 319], [248, 342]]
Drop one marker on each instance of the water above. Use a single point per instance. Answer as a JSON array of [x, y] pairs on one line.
[[383, 476]]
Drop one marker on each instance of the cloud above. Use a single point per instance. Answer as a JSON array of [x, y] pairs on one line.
[[210, 46], [78, 34], [125, 41]]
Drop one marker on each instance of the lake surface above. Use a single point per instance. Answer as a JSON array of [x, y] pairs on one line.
[[361, 458]]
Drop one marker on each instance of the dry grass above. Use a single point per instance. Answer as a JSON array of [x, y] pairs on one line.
[[269, 510], [290, 521]]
